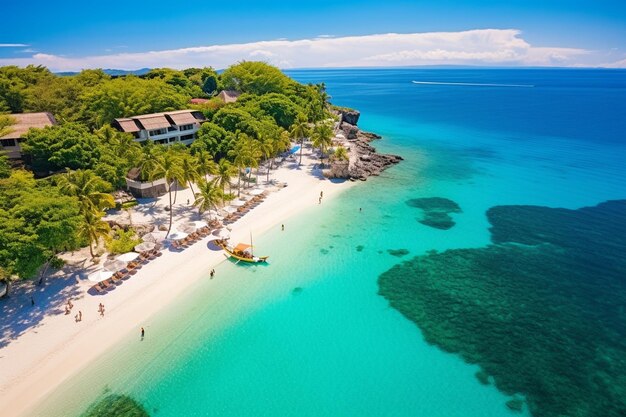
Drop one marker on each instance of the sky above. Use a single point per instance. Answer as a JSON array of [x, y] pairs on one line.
[[71, 35]]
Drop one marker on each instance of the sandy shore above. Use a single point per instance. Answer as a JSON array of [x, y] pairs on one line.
[[43, 356]]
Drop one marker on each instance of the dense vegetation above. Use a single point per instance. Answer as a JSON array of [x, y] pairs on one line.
[[541, 310], [83, 158]]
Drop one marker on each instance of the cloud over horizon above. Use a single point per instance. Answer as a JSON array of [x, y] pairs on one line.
[[501, 47]]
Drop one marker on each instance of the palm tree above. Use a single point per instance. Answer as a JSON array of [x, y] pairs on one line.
[[266, 149], [191, 170], [299, 131], [341, 154], [225, 170], [322, 138], [88, 188], [93, 228], [279, 144], [242, 156], [168, 166], [208, 196], [206, 164], [254, 155]]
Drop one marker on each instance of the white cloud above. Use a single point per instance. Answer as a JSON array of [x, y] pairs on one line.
[[13, 45], [618, 64], [472, 47]]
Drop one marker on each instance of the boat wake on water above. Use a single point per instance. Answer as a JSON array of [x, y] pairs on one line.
[[471, 84]]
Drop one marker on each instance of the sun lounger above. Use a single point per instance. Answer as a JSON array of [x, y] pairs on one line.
[[105, 285], [98, 289]]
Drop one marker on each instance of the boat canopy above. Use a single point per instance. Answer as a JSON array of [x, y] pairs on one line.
[[242, 247]]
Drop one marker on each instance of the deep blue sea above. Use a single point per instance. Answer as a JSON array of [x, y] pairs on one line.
[[309, 335]]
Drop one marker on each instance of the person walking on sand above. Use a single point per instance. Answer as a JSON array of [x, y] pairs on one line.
[[283, 227], [80, 315], [102, 311], [143, 333], [320, 200], [69, 304], [76, 318]]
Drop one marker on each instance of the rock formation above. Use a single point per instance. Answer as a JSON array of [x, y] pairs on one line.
[[364, 160]]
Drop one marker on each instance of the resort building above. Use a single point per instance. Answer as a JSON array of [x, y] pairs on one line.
[[164, 128], [199, 100], [229, 96], [10, 143]]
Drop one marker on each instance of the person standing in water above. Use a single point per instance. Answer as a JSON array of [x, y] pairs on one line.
[[143, 333]]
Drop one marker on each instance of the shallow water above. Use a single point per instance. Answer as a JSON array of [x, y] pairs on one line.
[[309, 334]]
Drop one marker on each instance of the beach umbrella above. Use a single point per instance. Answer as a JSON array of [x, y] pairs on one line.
[[200, 224], [114, 265], [155, 237], [237, 203], [145, 246], [128, 256], [99, 275], [186, 227], [178, 236], [256, 191], [222, 234]]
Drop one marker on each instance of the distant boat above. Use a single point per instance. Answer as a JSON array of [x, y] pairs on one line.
[[242, 252]]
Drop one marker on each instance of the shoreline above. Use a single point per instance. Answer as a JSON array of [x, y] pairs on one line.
[[58, 348]]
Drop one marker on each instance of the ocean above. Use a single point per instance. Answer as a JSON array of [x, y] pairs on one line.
[[311, 334]]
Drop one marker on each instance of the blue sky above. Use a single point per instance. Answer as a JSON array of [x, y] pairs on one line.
[[73, 30]]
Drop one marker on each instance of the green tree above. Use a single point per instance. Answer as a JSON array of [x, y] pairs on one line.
[[191, 170], [255, 77], [322, 138], [36, 223], [299, 131], [167, 165], [54, 148], [88, 188], [92, 228], [208, 196], [225, 171], [129, 96], [205, 162]]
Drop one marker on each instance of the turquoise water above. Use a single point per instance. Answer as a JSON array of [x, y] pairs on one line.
[[308, 335]]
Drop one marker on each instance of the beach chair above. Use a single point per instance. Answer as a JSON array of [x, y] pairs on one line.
[[105, 285], [98, 289], [116, 278]]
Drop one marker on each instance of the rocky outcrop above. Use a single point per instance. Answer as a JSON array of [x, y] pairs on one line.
[[367, 161], [349, 116], [364, 160]]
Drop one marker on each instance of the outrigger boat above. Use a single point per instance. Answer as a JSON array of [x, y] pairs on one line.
[[242, 252]]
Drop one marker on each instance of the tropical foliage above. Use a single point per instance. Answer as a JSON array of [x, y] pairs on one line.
[[83, 159]]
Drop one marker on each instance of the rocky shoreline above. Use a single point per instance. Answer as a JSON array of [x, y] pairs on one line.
[[364, 160]]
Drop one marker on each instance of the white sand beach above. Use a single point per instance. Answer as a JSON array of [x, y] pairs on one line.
[[37, 356]]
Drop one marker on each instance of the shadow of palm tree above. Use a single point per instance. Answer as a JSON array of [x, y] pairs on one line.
[[18, 315]]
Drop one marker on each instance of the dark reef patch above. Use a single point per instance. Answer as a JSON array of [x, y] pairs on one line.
[[436, 211], [360, 248], [324, 251], [398, 252], [296, 290], [115, 405], [542, 310]]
